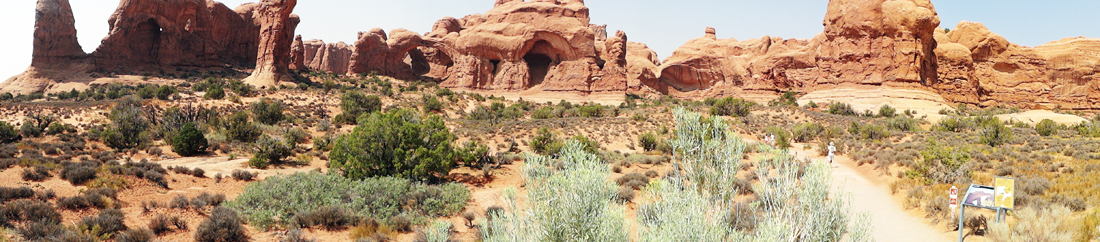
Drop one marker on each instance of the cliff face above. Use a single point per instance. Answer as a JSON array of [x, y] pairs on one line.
[[551, 46]]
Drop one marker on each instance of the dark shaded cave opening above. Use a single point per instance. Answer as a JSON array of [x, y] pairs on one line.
[[538, 66], [147, 42]]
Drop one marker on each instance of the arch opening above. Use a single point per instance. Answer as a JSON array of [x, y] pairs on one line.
[[147, 42]]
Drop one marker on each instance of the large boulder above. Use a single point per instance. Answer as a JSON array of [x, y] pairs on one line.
[[276, 34]]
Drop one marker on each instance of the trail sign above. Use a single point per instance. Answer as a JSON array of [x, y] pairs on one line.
[[954, 193], [979, 196], [1005, 190]]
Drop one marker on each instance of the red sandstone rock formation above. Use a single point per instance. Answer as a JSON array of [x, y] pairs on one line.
[[979, 67], [333, 58], [146, 35], [311, 49], [276, 35], [57, 55], [298, 55], [55, 34]]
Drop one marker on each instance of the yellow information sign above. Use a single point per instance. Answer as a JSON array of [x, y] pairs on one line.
[[1005, 189]]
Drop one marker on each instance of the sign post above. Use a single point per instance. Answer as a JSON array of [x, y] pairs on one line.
[[954, 194], [1004, 198], [976, 196]]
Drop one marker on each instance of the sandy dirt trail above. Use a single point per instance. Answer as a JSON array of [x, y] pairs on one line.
[[891, 223]]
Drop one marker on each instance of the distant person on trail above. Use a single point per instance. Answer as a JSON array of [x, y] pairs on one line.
[[832, 152], [771, 139]]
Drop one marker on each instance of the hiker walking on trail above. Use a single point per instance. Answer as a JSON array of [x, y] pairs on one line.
[[771, 139], [832, 152]]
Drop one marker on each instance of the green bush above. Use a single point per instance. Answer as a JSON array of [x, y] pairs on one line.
[[129, 126], [269, 151], [543, 113], [108, 222], [730, 106], [545, 143], [473, 154], [237, 127], [868, 131], [431, 104], [8, 134], [35, 124], [444, 92], [165, 92], [887, 111], [806, 132], [1055, 223], [903, 123], [1047, 127], [591, 110], [995, 133], [648, 141], [223, 226], [788, 99], [354, 104], [214, 92], [147, 91], [395, 143], [190, 141], [844, 109], [273, 201], [268, 111]]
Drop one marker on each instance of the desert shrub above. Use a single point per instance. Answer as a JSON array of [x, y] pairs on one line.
[[189, 141], [743, 217], [29, 210], [37, 173], [9, 193], [295, 235], [164, 92], [625, 194], [242, 175], [633, 180], [887, 111], [903, 124], [269, 151], [207, 199], [651, 174], [868, 131], [1047, 127], [268, 111], [473, 154], [44, 231], [329, 217], [108, 222], [274, 201], [214, 92], [396, 143], [572, 202], [648, 141], [545, 143], [237, 127], [223, 226], [354, 104], [431, 103], [79, 173], [1047, 224], [943, 164], [838, 108], [296, 136], [135, 235], [129, 126], [782, 137], [591, 110], [994, 133], [439, 231], [730, 106], [179, 202], [161, 224], [8, 134], [543, 113], [788, 99], [806, 132], [36, 123]]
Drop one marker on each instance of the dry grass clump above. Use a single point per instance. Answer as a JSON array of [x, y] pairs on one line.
[[1056, 223]]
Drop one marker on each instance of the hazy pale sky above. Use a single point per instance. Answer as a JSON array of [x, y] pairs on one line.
[[662, 24]]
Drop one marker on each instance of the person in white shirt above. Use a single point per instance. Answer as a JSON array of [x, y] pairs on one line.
[[832, 152]]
